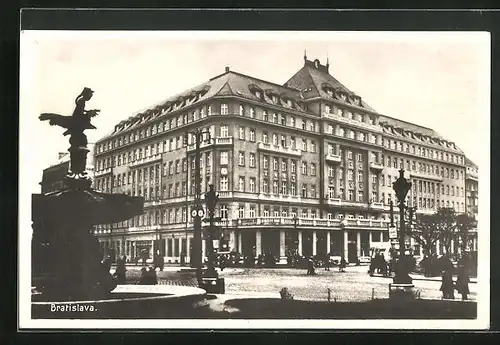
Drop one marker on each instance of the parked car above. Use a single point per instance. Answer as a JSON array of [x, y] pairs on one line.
[[364, 259]]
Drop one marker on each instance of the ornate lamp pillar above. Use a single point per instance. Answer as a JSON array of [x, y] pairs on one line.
[[401, 187], [211, 199]]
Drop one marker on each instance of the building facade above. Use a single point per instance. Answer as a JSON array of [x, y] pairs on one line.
[[472, 197], [303, 167], [54, 176]]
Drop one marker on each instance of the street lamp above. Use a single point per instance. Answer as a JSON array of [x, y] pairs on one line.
[[401, 186], [211, 199]]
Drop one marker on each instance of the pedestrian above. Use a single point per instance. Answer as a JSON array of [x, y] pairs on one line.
[[447, 285], [462, 285], [120, 274], [310, 267], [342, 265], [327, 262]]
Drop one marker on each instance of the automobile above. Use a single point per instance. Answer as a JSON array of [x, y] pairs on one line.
[[335, 260], [364, 259]]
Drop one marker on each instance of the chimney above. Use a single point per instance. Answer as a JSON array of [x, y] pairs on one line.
[[227, 69]]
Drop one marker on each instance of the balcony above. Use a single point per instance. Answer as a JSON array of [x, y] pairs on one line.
[[426, 176], [146, 160], [354, 123], [287, 198], [224, 141], [279, 149], [219, 141], [103, 172], [225, 194], [331, 157], [334, 201], [472, 177], [376, 166], [145, 228], [377, 205], [366, 223]]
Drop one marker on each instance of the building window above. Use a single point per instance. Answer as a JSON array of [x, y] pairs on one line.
[[293, 188], [241, 184], [252, 160], [241, 159], [328, 109], [275, 187], [209, 110], [313, 146], [252, 185], [265, 186], [265, 117], [252, 135], [304, 145], [304, 168], [265, 162], [223, 183], [274, 117], [266, 213], [223, 211], [283, 141], [251, 212], [241, 133], [292, 121], [350, 195], [313, 190], [242, 110], [313, 169], [275, 164], [224, 131], [283, 165], [293, 166], [252, 113], [241, 211], [224, 160], [331, 192], [304, 190], [284, 189], [275, 139], [265, 138]]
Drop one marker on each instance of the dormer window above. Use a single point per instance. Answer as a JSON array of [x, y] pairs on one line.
[[258, 94], [289, 102], [274, 98], [224, 109]]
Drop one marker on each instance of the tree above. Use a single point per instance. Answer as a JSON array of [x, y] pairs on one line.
[[425, 232], [446, 226], [464, 223]]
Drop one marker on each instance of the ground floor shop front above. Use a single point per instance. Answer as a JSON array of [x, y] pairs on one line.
[[280, 243]]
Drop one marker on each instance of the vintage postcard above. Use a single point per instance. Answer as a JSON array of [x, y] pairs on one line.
[[333, 180]]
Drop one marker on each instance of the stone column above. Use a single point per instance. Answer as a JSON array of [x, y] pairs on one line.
[[438, 247], [188, 252], [203, 249], [358, 243], [328, 246], [300, 243], [282, 243], [346, 247], [240, 247], [258, 243], [315, 242], [153, 249], [232, 240], [370, 239]]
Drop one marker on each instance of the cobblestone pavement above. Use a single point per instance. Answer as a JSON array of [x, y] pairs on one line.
[[351, 286]]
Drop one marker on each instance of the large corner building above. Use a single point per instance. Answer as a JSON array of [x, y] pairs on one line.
[[304, 167]]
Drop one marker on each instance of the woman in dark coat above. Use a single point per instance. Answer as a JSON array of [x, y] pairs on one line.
[[463, 283], [447, 285], [342, 265]]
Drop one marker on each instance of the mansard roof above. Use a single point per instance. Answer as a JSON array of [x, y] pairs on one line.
[[313, 80], [470, 163]]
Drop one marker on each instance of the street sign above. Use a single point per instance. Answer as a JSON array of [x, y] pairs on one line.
[[393, 233]]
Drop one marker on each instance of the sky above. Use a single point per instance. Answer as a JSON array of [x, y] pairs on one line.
[[437, 80]]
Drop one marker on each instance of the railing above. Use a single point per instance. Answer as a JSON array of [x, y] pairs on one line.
[[376, 166], [103, 172], [224, 141], [225, 194], [426, 176], [218, 141], [146, 160], [376, 205], [287, 198], [371, 223], [333, 158], [352, 122], [279, 149]]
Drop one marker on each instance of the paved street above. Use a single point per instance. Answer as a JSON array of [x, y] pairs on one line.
[[353, 285]]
